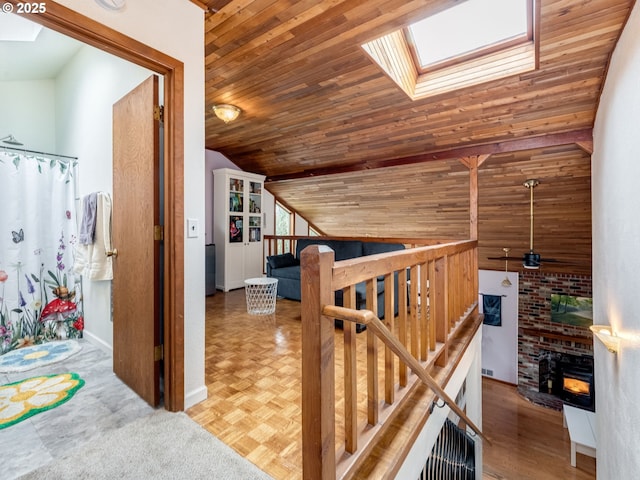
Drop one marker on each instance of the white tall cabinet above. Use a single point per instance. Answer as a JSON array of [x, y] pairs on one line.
[[237, 227]]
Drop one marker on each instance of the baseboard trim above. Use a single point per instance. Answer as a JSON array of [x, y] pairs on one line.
[[98, 342], [195, 396]]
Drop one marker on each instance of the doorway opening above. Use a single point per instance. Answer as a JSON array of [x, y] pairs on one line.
[[86, 30]]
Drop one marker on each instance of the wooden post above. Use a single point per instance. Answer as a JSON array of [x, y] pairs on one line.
[[472, 163], [318, 376]]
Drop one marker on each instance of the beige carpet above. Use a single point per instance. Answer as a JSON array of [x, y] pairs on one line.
[[162, 445]]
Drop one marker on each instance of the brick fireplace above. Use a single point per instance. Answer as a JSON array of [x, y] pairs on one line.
[[539, 338]]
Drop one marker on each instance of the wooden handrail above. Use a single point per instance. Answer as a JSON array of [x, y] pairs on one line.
[[368, 318], [430, 294]]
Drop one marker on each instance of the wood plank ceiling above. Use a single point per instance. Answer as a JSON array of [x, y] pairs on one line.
[[344, 146]]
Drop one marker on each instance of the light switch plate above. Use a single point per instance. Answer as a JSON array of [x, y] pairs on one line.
[[192, 228]]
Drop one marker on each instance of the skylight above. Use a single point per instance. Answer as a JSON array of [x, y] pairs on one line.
[[469, 27], [473, 42]]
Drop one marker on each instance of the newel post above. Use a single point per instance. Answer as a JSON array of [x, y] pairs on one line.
[[318, 388]]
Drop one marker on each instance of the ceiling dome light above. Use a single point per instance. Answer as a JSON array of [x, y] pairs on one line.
[[227, 113]]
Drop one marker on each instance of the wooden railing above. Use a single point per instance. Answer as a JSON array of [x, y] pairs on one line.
[[437, 296]]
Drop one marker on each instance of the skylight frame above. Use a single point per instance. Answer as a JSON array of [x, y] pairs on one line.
[[485, 50], [392, 54]]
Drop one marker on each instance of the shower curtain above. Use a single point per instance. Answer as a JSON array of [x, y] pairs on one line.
[[40, 298]]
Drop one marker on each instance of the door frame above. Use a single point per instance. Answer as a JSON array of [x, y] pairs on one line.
[[91, 32]]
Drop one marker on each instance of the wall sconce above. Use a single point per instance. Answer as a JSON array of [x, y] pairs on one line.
[[607, 337], [225, 112]]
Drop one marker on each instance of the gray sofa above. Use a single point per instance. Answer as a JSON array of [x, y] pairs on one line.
[[286, 268]]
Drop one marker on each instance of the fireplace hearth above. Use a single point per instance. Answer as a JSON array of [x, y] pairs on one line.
[[568, 377]]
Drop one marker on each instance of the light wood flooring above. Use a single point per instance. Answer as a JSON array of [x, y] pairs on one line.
[[254, 401], [528, 441]]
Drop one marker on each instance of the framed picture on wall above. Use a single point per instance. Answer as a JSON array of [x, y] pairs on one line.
[[571, 310]]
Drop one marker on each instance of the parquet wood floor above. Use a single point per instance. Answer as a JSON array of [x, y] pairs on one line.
[[254, 400]]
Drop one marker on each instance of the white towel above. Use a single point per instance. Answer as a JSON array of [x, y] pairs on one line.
[[91, 261]]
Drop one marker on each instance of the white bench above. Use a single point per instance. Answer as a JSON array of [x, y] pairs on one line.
[[582, 431]]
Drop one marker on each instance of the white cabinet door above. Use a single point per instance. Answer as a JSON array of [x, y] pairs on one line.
[[234, 271], [253, 260]]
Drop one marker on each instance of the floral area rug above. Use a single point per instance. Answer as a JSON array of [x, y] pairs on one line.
[[34, 356], [26, 398]]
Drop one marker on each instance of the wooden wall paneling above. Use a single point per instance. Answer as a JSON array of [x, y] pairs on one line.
[[312, 98]]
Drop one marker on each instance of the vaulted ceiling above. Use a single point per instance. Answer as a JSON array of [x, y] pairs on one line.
[[343, 145]]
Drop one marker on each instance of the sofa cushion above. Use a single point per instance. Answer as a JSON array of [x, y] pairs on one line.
[[281, 261], [372, 248], [292, 272]]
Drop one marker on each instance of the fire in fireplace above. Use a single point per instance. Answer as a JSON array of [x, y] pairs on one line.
[[577, 385], [574, 386]]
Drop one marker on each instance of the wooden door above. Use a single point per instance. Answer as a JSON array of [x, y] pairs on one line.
[[136, 212]]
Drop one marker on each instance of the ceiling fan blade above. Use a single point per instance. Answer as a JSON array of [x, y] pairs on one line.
[[502, 258]]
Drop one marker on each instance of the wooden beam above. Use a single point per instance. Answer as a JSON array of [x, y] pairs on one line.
[[202, 5], [578, 137], [587, 146], [472, 163]]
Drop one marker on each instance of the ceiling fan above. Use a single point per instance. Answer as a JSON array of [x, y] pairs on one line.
[[530, 260]]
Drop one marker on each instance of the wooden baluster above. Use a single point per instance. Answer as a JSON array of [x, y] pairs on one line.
[[454, 290], [372, 356], [424, 325], [432, 305], [441, 307], [389, 320], [415, 280], [402, 322], [350, 376]]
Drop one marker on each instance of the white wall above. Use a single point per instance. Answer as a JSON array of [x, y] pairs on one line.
[[269, 209], [212, 161], [301, 226], [616, 263], [500, 344], [86, 89], [28, 113], [176, 28]]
